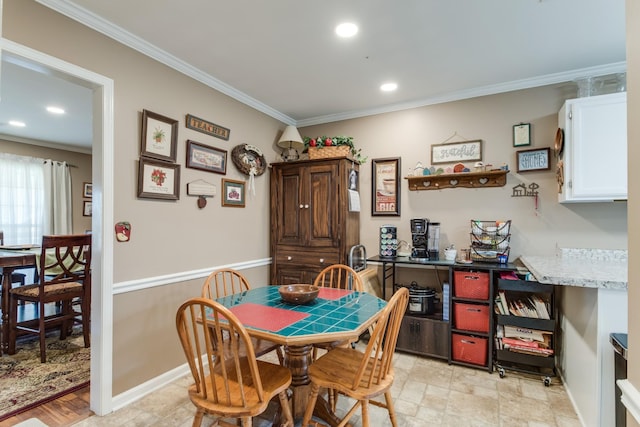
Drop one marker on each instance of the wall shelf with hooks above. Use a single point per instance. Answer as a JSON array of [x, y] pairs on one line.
[[496, 178]]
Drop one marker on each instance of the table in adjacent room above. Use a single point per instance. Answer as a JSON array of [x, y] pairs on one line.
[[9, 261]]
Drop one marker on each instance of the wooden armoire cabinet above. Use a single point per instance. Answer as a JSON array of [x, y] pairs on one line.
[[311, 224]]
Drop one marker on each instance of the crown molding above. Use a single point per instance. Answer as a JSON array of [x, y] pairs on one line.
[[549, 79], [107, 28], [101, 25]]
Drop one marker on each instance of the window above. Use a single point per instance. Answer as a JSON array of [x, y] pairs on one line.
[[21, 199]]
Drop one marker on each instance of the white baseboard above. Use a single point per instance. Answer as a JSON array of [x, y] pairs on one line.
[[142, 390], [630, 398]]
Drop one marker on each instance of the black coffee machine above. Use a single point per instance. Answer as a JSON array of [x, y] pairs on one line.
[[419, 234], [425, 239]]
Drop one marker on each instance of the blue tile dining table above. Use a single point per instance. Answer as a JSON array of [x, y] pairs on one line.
[[335, 315], [12, 257]]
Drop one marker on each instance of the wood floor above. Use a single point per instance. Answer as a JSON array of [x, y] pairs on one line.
[[62, 412]]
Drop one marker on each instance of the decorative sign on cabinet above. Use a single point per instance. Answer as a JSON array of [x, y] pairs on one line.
[[593, 163]]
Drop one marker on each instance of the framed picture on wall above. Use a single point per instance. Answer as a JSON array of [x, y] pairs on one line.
[[385, 188], [86, 208], [87, 190], [533, 160], [521, 134], [206, 158], [233, 193], [158, 180], [159, 138]]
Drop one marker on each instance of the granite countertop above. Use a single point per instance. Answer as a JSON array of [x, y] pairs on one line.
[[589, 268]]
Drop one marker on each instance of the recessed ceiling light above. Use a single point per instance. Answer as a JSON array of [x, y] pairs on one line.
[[389, 87], [55, 110], [17, 123], [347, 29]]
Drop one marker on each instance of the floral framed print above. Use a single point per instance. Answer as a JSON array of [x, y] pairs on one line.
[[233, 193], [158, 180], [159, 139], [385, 188], [206, 158]]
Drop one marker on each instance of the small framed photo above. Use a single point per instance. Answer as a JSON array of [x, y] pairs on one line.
[[206, 158], [159, 138], [87, 190], [536, 159], [385, 189], [158, 180], [86, 208], [233, 193], [521, 134]]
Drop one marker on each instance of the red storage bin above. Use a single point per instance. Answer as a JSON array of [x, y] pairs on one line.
[[469, 349], [471, 317], [471, 284]]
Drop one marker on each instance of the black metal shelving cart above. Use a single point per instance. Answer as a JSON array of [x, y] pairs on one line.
[[525, 307]]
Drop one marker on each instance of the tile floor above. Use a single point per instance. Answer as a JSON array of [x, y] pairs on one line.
[[427, 392]]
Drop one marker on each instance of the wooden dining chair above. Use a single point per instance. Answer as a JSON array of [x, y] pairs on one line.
[[227, 384], [64, 277], [337, 276], [227, 281], [362, 375]]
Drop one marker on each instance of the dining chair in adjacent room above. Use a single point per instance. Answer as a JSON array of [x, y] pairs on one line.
[[226, 281], [227, 384], [64, 277], [362, 376], [337, 276]]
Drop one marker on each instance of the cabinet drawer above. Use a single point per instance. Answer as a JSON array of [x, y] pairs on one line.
[[471, 317], [317, 260]]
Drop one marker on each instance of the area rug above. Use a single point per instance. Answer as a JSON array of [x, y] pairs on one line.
[[26, 383]]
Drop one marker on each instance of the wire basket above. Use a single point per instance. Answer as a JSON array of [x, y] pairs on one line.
[[490, 255], [490, 228], [490, 242]]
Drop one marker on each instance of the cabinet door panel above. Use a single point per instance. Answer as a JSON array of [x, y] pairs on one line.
[[433, 337], [323, 226], [406, 336], [290, 228]]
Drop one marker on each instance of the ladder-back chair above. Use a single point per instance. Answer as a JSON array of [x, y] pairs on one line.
[[227, 384], [362, 375], [226, 281]]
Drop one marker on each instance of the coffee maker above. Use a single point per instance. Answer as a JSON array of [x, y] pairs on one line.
[[419, 234]]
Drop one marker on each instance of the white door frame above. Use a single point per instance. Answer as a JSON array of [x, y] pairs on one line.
[[101, 398]]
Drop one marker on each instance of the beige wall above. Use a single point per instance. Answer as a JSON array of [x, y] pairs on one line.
[[409, 135], [168, 237], [80, 173], [177, 237], [633, 129]]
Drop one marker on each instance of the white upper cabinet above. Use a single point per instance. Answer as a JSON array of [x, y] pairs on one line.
[[594, 155]]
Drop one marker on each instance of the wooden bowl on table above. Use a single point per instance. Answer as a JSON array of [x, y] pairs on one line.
[[299, 293]]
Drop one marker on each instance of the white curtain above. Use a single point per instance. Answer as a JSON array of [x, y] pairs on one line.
[[22, 210], [57, 198]]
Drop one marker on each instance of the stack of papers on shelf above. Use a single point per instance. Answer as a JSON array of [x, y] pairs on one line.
[[523, 340], [532, 306]]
